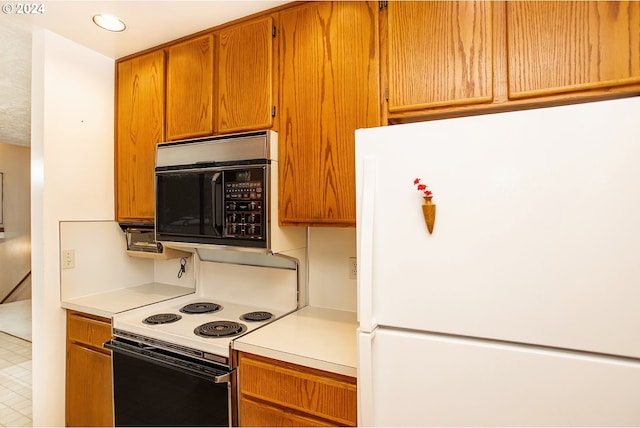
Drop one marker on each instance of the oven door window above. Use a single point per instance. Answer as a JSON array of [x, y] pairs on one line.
[[189, 204]]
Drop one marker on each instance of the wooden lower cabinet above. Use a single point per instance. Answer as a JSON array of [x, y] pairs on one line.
[[89, 390], [276, 393]]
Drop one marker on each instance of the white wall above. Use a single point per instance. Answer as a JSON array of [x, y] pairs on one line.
[[329, 283], [15, 248], [102, 265], [72, 178]]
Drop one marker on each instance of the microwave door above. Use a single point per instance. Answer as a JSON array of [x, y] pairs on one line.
[[177, 200], [185, 205]]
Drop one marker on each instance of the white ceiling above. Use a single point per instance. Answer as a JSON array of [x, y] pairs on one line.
[[149, 23]]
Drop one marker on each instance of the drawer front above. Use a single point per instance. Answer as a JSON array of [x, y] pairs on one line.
[[256, 414], [86, 329], [317, 393]]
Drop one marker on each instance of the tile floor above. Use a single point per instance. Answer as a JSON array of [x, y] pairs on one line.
[[15, 364], [15, 382]]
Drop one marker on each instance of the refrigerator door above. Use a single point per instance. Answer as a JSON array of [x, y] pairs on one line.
[[537, 232], [432, 380]]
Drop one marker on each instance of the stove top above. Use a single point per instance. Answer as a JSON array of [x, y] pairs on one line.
[[192, 325]]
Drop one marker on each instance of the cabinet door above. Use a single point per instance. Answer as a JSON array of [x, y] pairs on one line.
[[190, 88], [89, 398], [139, 127], [556, 47], [329, 88], [439, 53], [244, 89], [89, 390]]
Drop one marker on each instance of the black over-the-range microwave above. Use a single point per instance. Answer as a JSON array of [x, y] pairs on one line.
[[216, 190]]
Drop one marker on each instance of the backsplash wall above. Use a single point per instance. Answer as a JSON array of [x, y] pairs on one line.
[[329, 283]]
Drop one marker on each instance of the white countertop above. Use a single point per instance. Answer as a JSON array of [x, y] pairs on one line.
[[320, 338], [112, 302]]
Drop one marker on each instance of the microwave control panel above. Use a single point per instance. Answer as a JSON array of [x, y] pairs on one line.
[[244, 204]]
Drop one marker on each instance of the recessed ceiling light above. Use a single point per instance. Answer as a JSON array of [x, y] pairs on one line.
[[109, 22]]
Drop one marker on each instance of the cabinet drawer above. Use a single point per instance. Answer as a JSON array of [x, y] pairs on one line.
[[87, 329], [256, 414], [314, 392]]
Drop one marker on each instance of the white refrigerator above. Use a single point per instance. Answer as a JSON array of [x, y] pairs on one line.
[[522, 308]]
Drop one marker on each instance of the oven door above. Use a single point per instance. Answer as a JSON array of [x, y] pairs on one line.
[[153, 387]]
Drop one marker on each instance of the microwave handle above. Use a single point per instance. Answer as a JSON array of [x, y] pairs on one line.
[[216, 216]]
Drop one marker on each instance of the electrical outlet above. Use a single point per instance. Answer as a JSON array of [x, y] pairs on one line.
[[353, 268], [68, 259]]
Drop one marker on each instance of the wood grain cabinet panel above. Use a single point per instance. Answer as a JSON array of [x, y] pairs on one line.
[[90, 331], [564, 46], [274, 393], [189, 107], [244, 78], [439, 53], [139, 127], [255, 414], [89, 385], [329, 84]]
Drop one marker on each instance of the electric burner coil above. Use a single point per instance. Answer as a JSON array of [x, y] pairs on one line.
[[257, 316], [220, 329], [162, 319], [200, 308]]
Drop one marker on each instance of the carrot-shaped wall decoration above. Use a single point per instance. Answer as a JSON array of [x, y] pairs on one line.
[[428, 208]]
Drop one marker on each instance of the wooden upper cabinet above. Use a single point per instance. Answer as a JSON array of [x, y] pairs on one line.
[[329, 84], [439, 53], [139, 127], [244, 77], [564, 46], [189, 108]]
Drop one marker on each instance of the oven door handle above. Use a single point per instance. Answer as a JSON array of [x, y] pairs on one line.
[[223, 378], [149, 353]]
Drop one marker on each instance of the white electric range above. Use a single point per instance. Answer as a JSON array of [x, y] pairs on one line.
[[231, 300], [193, 325]]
